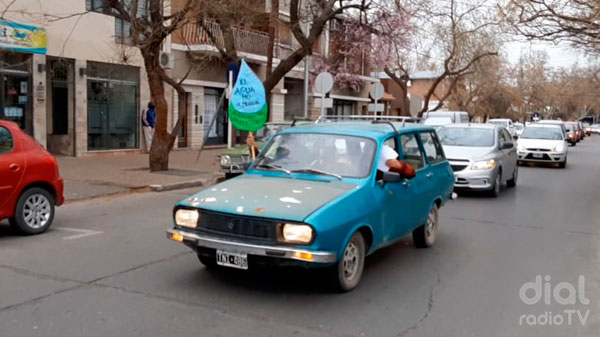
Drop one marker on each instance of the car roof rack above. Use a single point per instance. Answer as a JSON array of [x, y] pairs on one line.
[[303, 120], [368, 118]]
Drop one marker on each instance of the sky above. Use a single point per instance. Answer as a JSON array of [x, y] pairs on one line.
[[558, 56]]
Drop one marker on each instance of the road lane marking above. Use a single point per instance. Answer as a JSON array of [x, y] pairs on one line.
[[82, 233]]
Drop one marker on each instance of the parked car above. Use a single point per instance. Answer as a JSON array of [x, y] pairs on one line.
[[595, 128], [30, 185], [483, 156], [313, 198], [519, 127], [543, 143], [440, 118], [572, 134], [234, 161], [504, 122]]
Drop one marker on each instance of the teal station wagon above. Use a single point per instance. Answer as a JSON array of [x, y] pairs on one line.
[[314, 197]]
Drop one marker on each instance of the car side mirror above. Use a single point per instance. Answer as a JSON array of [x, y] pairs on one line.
[[507, 145], [391, 177]]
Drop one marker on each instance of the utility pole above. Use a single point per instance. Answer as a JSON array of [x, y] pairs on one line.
[[273, 22]]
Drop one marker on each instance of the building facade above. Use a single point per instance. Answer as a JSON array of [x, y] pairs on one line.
[[71, 82]]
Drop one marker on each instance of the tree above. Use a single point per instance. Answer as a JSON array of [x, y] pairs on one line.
[[149, 29], [456, 35], [318, 13], [571, 21]]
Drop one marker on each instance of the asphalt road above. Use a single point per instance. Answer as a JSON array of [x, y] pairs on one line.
[[106, 269]]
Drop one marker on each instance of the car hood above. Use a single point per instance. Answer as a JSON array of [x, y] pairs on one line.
[[242, 150], [467, 152], [268, 197], [538, 143]]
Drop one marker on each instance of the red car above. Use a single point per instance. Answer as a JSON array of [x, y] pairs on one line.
[[30, 185]]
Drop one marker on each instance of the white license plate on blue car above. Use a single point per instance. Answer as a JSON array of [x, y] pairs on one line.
[[233, 260]]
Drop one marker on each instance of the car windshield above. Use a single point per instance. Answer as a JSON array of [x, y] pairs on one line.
[[326, 154], [549, 133], [571, 127], [269, 130], [475, 137], [438, 121]]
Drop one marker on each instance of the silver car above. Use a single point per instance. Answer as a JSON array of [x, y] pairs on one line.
[[483, 156]]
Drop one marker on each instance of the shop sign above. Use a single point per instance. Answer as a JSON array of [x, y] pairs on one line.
[[22, 38]]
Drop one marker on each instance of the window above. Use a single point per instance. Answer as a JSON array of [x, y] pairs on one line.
[[197, 115], [6, 141], [506, 136], [411, 152], [432, 147], [464, 118], [98, 6], [342, 107], [122, 31]]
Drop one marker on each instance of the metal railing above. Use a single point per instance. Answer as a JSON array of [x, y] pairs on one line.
[[245, 40]]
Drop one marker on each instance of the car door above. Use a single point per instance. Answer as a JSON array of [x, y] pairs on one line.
[[421, 186], [396, 205], [509, 156], [11, 169], [439, 171]]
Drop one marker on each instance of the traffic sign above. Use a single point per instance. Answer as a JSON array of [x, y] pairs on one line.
[[379, 107], [328, 102], [323, 83], [377, 91]]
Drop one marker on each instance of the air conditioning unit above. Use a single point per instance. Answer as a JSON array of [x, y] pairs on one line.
[[166, 60]]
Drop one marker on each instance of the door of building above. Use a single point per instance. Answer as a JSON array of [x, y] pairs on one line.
[[217, 133]]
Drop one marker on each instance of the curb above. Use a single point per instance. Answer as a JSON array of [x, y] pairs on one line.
[[152, 188], [184, 184]]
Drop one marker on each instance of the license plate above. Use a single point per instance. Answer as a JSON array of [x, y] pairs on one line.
[[233, 260], [538, 155]]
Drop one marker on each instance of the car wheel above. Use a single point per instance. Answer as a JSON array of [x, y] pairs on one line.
[[563, 164], [513, 181], [208, 261], [424, 236], [346, 274], [573, 143], [497, 187], [34, 212]]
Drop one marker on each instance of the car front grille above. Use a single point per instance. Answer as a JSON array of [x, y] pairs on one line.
[[240, 159], [458, 164], [240, 226], [539, 150], [544, 157]]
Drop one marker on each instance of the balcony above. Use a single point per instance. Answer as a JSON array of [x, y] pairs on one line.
[[246, 40]]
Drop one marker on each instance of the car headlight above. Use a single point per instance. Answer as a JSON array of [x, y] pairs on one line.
[[187, 218], [225, 160], [292, 233], [558, 148], [484, 164]]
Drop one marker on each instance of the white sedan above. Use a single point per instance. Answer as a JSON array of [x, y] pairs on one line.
[[543, 143]]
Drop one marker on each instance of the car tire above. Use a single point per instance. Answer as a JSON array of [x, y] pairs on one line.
[[210, 262], [497, 187], [345, 275], [562, 164], [34, 212], [513, 181], [424, 236], [573, 143]]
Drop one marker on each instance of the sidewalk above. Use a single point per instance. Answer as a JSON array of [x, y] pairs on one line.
[[102, 175]]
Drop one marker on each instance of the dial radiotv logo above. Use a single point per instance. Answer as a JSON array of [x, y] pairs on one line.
[[563, 293]]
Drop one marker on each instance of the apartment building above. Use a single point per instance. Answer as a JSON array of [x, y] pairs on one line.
[[190, 51], [69, 79]]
